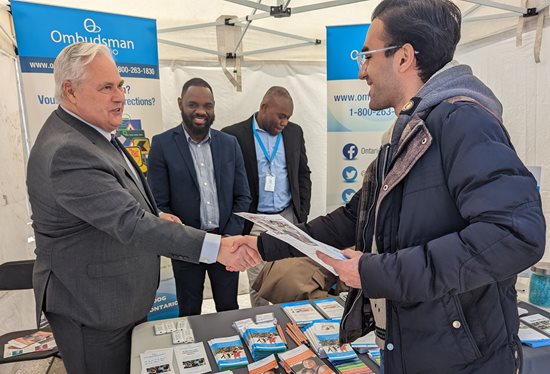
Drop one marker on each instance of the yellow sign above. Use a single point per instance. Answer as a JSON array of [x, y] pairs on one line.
[[142, 143], [135, 152]]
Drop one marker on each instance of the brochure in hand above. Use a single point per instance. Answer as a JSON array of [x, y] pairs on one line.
[[228, 352], [279, 227]]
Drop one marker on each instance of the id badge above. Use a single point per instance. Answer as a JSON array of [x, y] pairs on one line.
[[269, 183]]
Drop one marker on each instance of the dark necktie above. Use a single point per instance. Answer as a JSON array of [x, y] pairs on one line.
[[116, 144]]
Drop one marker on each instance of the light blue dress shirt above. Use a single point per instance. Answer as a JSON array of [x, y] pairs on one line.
[[280, 198]]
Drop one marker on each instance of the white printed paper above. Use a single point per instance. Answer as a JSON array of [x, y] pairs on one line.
[[157, 361], [192, 359], [280, 228]]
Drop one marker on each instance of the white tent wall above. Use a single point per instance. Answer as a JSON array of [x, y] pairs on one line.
[[522, 86], [17, 307], [306, 83]]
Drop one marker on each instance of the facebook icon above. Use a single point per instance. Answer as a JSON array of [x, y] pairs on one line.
[[350, 151]]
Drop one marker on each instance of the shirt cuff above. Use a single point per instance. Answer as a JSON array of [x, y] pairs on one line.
[[210, 248]]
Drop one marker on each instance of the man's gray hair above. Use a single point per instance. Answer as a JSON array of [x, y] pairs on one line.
[[70, 63]]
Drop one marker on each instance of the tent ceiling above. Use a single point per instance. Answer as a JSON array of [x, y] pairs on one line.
[[174, 13]]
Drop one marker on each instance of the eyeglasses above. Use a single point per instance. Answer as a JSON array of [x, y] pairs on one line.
[[361, 57]]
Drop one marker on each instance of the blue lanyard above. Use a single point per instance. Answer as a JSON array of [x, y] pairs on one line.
[[264, 149]]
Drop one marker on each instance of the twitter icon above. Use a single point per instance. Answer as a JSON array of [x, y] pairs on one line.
[[349, 174], [347, 195]]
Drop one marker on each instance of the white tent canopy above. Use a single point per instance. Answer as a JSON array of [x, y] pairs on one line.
[[482, 19]]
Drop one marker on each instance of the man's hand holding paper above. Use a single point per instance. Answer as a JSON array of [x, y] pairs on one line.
[[282, 229]]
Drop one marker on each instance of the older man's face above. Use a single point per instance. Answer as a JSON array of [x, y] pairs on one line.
[[99, 98]]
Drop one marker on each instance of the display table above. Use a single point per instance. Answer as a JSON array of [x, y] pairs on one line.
[[206, 327], [209, 326]]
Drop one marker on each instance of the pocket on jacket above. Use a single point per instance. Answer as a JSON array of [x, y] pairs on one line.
[[110, 269], [435, 329]]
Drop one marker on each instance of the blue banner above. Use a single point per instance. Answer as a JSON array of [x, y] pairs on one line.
[[341, 40], [42, 31], [353, 129]]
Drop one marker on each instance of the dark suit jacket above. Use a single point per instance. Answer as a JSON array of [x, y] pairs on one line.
[[173, 179], [296, 163], [97, 233]]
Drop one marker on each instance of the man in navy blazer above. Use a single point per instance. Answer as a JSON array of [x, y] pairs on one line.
[[197, 174]]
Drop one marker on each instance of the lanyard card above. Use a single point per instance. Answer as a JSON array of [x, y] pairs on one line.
[[269, 183]]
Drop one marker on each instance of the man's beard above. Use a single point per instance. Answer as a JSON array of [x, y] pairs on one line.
[[201, 130]]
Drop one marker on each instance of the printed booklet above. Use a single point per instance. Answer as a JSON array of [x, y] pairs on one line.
[[329, 307], [157, 361], [228, 352], [301, 360], [301, 312], [192, 359]]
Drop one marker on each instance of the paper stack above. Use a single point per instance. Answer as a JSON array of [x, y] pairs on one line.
[[301, 312], [228, 352], [38, 341]]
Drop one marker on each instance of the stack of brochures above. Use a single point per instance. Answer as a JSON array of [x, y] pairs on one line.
[[301, 312], [38, 341], [323, 336], [329, 307], [267, 365], [353, 367], [367, 344], [301, 360], [534, 331], [228, 352], [262, 339]]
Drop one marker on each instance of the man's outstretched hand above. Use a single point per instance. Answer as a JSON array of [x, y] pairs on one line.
[[239, 253]]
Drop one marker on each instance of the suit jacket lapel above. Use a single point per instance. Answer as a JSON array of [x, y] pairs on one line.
[[215, 149], [290, 151], [249, 148], [181, 143], [99, 140]]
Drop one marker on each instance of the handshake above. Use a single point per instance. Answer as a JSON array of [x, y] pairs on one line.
[[239, 253]]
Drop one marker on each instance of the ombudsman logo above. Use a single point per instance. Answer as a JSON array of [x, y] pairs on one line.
[[91, 27]]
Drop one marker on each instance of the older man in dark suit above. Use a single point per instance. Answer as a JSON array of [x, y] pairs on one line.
[[96, 224], [197, 174]]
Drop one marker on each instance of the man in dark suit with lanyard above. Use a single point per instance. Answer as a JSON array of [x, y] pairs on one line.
[[276, 164], [197, 174]]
